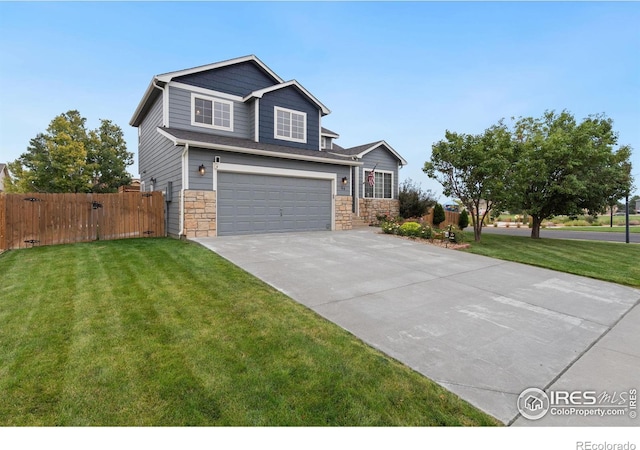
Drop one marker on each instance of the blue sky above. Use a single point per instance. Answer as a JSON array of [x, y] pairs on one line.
[[403, 72]]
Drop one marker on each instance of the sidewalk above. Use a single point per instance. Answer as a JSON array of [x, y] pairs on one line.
[[612, 364]]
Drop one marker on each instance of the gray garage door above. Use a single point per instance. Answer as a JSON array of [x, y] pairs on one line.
[[250, 204]]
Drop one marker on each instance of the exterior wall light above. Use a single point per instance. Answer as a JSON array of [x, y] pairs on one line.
[[344, 181], [202, 169]]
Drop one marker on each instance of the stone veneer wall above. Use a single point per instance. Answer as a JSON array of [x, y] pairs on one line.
[[199, 214], [369, 207], [343, 212]]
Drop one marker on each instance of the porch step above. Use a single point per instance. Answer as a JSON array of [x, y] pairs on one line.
[[359, 222]]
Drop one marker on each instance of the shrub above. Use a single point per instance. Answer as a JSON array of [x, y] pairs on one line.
[[390, 227], [463, 220], [438, 215], [412, 229], [426, 232], [576, 223], [414, 202]]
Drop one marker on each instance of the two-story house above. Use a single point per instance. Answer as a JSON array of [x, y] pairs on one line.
[[238, 150]]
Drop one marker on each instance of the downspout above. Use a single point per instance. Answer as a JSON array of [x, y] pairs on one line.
[[185, 181], [356, 190]]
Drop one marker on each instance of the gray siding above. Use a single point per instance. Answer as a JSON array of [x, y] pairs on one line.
[[180, 115], [160, 159], [290, 98], [206, 157], [386, 161], [238, 79]]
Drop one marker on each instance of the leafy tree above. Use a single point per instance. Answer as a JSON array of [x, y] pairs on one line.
[[438, 215], [109, 158], [560, 166], [473, 168], [414, 202], [463, 220], [68, 158]]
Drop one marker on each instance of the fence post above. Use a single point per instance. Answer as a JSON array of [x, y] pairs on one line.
[[3, 222]]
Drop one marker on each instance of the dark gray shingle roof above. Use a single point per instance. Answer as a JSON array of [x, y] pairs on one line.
[[328, 131], [212, 139], [353, 150]]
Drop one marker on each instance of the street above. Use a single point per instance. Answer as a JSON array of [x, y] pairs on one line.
[[545, 233]]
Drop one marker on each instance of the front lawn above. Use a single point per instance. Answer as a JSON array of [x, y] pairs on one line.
[[608, 261], [164, 332], [598, 229]]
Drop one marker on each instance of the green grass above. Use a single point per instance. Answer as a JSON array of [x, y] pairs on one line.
[[602, 229], [163, 332], [606, 261]]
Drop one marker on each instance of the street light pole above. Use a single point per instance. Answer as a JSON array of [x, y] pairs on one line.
[[626, 215]]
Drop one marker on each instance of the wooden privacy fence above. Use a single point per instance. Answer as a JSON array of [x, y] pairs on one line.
[[49, 219], [451, 218]]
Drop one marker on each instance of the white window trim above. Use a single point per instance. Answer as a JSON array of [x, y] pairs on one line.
[[275, 124], [213, 100], [364, 190]]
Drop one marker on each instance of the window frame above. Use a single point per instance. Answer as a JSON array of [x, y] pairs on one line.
[[290, 138], [366, 183], [213, 101]]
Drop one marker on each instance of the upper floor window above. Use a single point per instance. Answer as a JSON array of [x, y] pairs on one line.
[[382, 184], [290, 125], [211, 112]]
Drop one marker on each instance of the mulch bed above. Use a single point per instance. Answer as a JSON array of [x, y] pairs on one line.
[[436, 242]]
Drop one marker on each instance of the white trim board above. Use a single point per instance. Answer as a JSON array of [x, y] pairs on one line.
[[274, 171], [251, 151], [210, 92]]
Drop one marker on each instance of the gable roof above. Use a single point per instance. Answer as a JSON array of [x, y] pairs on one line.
[[248, 146], [361, 150], [166, 77], [260, 92], [159, 81], [327, 132]]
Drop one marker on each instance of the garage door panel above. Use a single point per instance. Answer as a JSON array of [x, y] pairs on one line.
[[249, 203]]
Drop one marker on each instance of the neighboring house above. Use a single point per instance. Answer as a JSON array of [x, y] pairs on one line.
[[4, 175], [239, 150], [134, 186]]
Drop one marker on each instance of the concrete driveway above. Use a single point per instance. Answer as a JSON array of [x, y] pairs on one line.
[[483, 328]]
